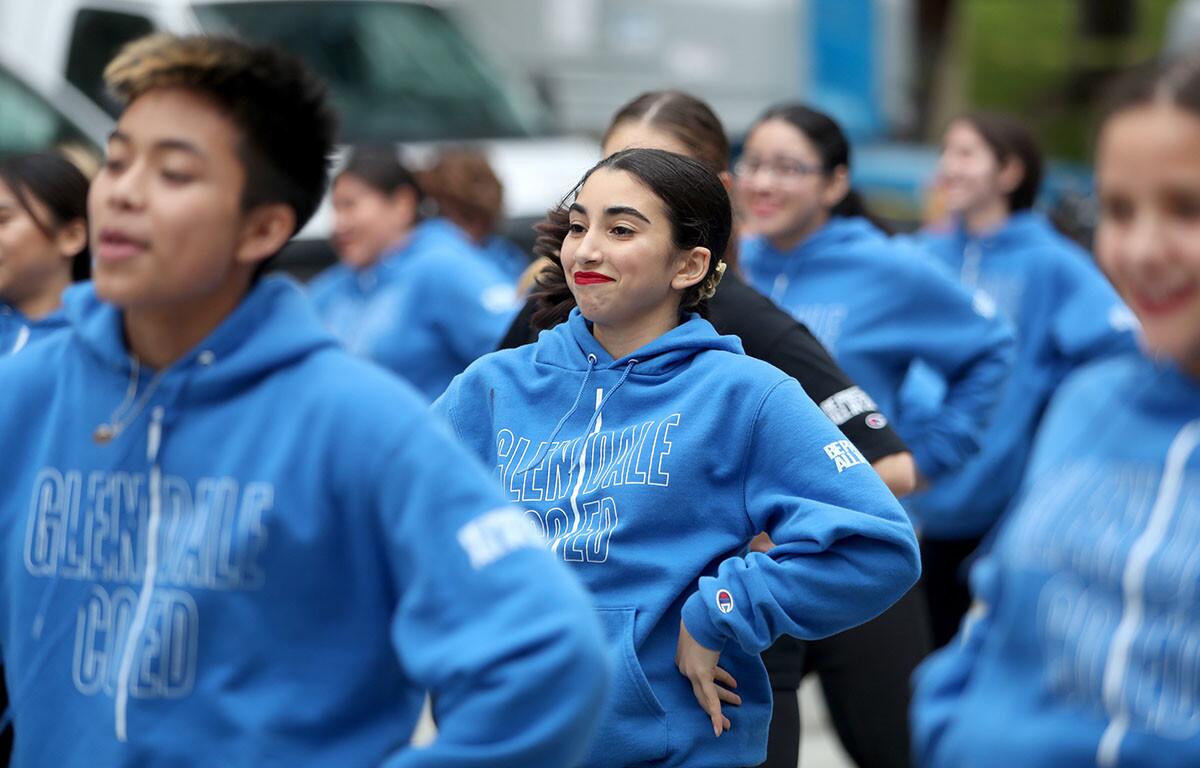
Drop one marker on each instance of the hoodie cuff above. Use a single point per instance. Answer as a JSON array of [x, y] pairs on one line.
[[700, 624]]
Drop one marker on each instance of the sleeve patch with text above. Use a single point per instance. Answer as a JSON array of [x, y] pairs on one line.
[[491, 536], [844, 455]]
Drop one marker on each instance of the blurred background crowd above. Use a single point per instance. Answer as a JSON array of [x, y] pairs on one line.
[[532, 83], [496, 108]]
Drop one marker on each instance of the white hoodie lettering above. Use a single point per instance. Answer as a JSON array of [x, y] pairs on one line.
[[636, 455], [210, 537]]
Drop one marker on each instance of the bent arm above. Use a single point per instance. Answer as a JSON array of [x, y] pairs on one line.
[[799, 354], [960, 337], [898, 472], [502, 635], [844, 551]]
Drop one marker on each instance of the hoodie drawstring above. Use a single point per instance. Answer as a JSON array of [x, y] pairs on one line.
[[779, 287], [128, 410], [22, 340], [593, 426], [611, 392], [149, 574], [537, 456]]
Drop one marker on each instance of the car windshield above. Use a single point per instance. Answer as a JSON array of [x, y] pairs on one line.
[[31, 123], [397, 71]]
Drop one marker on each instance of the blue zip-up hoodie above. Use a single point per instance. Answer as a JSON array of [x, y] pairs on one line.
[[1065, 313], [878, 307], [649, 474], [1083, 648], [424, 311], [18, 331], [271, 561]]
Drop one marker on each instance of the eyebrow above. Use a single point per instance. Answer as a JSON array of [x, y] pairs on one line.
[[163, 144], [615, 210]]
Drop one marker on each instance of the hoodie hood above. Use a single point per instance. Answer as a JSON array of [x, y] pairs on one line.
[[1024, 229], [1065, 314], [267, 556], [17, 331], [571, 345], [230, 357], [427, 310], [839, 233], [648, 474]]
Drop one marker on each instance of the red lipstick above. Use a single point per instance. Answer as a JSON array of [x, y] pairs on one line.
[[590, 278]]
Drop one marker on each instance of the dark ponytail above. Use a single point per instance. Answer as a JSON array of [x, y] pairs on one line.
[[57, 184], [1010, 139]]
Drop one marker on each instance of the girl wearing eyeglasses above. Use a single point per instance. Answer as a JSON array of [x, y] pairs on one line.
[[878, 307], [874, 304]]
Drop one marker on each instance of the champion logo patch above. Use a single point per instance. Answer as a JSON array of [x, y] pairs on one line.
[[724, 601]]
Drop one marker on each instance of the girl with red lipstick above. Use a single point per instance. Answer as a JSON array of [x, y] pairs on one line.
[[864, 671], [679, 122], [648, 450], [43, 244], [1083, 642]]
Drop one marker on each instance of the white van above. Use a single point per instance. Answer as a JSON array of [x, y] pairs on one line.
[[36, 117], [398, 72]]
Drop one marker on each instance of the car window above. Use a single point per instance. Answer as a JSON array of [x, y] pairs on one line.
[[397, 71], [96, 38], [31, 123]]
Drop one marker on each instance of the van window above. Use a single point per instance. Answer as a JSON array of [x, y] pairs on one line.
[[396, 71], [97, 37], [31, 123]]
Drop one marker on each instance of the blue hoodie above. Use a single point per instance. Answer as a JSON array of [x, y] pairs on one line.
[[269, 565], [1065, 313], [649, 474], [506, 256], [1083, 648], [877, 308], [17, 331], [424, 311]]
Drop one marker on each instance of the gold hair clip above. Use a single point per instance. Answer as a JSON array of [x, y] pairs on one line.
[[709, 288]]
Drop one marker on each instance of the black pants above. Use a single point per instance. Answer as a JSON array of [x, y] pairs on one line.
[[864, 675], [6, 737], [945, 564]]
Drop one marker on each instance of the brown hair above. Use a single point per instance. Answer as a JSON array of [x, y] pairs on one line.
[[688, 119], [466, 190], [1175, 82], [278, 107], [1010, 139]]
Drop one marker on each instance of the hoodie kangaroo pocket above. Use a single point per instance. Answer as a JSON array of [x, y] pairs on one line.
[[633, 728]]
